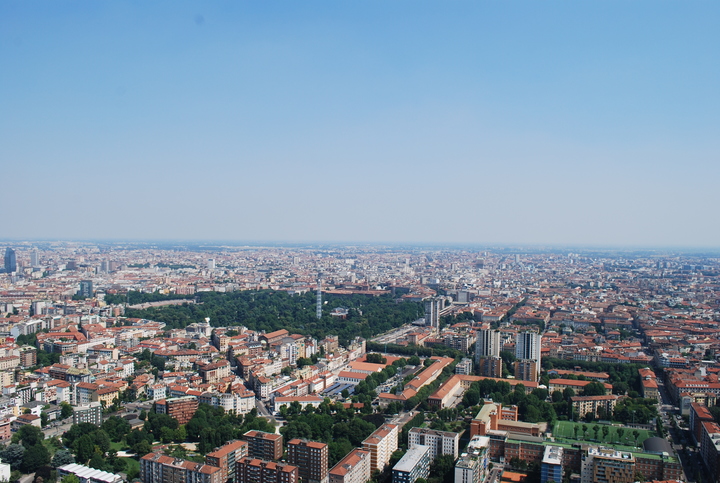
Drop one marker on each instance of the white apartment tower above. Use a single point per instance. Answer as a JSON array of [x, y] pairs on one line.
[[487, 344], [528, 348]]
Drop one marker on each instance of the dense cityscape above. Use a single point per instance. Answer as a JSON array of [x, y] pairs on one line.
[[173, 363]]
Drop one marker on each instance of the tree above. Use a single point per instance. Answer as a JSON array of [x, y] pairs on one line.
[[443, 468], [594, 389], [43, 419], [375, 358], [70, 478], [66, 410], [142, 448], [605, 432], [620, 432], [62, 458], [29, 436], [97, 462], [636, 434], [13, 455], [35, 457], [84, 448]]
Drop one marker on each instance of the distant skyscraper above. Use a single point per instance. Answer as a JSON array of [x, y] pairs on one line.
[[211, 264], [10, 260], [487, 344], [34, 259], [86, 289], [433, 307], [528, 347]]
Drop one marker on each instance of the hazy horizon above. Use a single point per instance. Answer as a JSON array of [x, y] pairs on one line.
[[552, 124]]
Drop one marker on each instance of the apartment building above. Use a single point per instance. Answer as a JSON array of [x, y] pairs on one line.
[[226, 458], [353, 468], [591, 404], [311, 458], [439, 442], [381, 444], [90, 413], [180, 408], [254, 470], [601, 465], [415, 464], [159, 468], [472, 466], [265, 446], [214, 372]]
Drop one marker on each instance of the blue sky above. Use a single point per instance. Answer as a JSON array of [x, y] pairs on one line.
[[467, 122]]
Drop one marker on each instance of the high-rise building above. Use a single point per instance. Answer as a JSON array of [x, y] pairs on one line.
[[490, 367], [526, 370], [34, 259], [528, 347], [10, 260], [433, 307], [86, 289], [226, 458], [266, 446], [353, 468], [415, 464], [487, 344], [211, 264], [311, 458], [381, 444]]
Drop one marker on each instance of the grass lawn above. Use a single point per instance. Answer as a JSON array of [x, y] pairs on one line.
[[117, 446], [565, 430]]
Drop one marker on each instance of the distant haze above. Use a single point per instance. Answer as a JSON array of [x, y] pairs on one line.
[[430, 122]]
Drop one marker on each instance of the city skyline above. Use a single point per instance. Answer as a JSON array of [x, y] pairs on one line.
[[406, 123]]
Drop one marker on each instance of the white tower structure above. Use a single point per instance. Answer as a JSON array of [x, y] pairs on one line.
[[319, 298], [487, 344], [528, 348]]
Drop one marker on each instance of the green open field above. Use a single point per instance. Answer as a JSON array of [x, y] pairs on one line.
[[565, 430]]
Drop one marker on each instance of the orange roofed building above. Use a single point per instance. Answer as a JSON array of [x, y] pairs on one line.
[[158, 468], [353, 468]]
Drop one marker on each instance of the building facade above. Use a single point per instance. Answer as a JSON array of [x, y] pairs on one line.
[[159, 468], [353, 468], [439, 442], [311, 458], [381, 444], [413, 465], [226, 458], [265, 446]]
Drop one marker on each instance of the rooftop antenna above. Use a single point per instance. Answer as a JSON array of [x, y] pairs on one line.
[[319, 297]]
